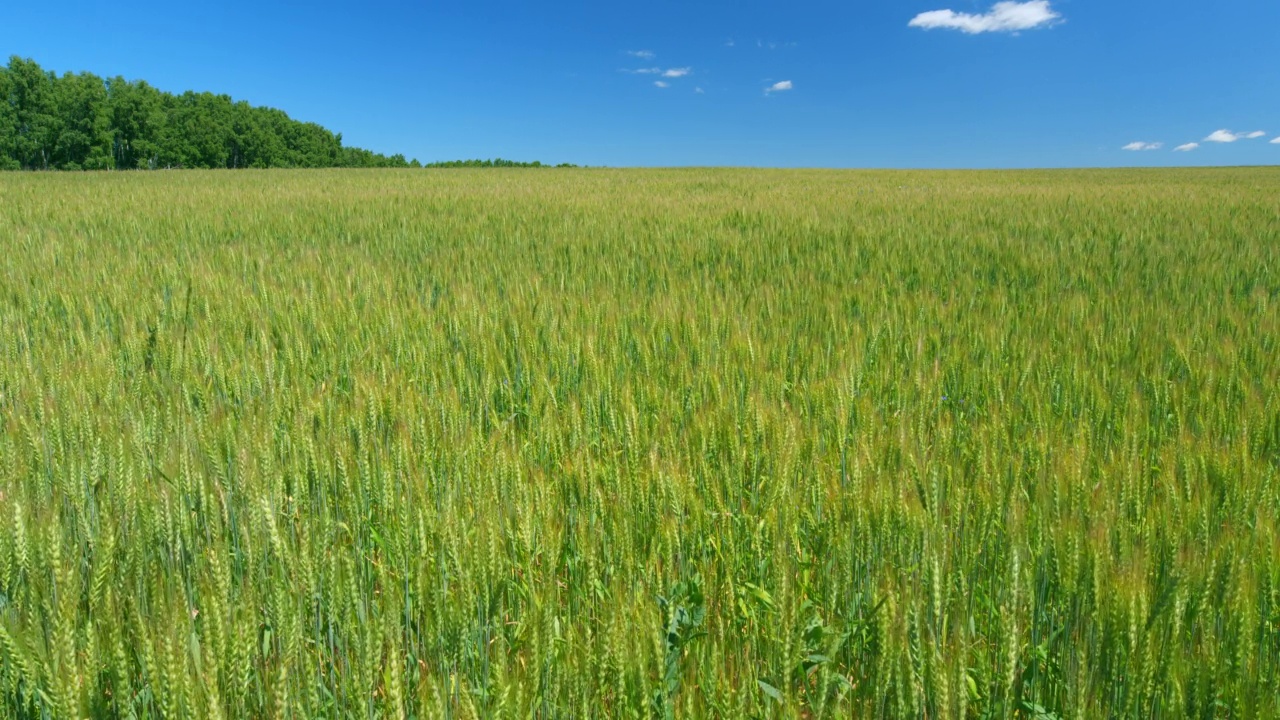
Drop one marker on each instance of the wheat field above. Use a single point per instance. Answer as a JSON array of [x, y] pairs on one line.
[[640, 444]]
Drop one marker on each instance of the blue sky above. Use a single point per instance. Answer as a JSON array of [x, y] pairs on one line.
[[893, 83]]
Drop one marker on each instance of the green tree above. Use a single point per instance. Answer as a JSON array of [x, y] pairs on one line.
[[84, 133], [137, 119], [36, 111], [251, 144], [197, 133], [8, 123]]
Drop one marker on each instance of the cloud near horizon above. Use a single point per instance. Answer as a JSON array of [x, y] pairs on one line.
[[677, 72], [1009, 17], [1143, 146], [1186, 148], [779, 86], [1226, 136]]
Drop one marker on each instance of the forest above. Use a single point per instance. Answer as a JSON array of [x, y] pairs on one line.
[[85, 122]]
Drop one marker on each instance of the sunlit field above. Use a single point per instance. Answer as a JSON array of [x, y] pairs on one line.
[[640, 444]]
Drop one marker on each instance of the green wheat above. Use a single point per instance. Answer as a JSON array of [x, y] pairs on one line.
[[640, 444]]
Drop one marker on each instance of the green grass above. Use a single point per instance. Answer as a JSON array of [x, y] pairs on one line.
[[634, 443]]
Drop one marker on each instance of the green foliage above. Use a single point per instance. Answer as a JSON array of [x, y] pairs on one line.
[[81, 122], [34, 107], [85, 138], [639, 444], [8, 123]]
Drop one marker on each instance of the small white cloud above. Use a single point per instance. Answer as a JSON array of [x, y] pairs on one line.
[[669, 73], [1186, 148], [1276, 141], [779, 86], [700, 91], [642, 54], [1143, 146], [1002, 17], [659, 83], [1226, 136]]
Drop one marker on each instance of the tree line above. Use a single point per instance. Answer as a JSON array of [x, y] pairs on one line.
[[494, 163], [84, 122]]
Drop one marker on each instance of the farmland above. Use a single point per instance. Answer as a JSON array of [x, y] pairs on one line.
[[640, 443]]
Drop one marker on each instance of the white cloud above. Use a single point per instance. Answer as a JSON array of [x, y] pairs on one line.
[[1186, 148], [669, 73], [1143, 146], [659, 83], [779, 86], [1276, 141], [700, 91], [642, 54], [1002, 17], [1226, 136]]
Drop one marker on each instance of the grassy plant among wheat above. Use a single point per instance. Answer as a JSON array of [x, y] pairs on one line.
[[640, 444]]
